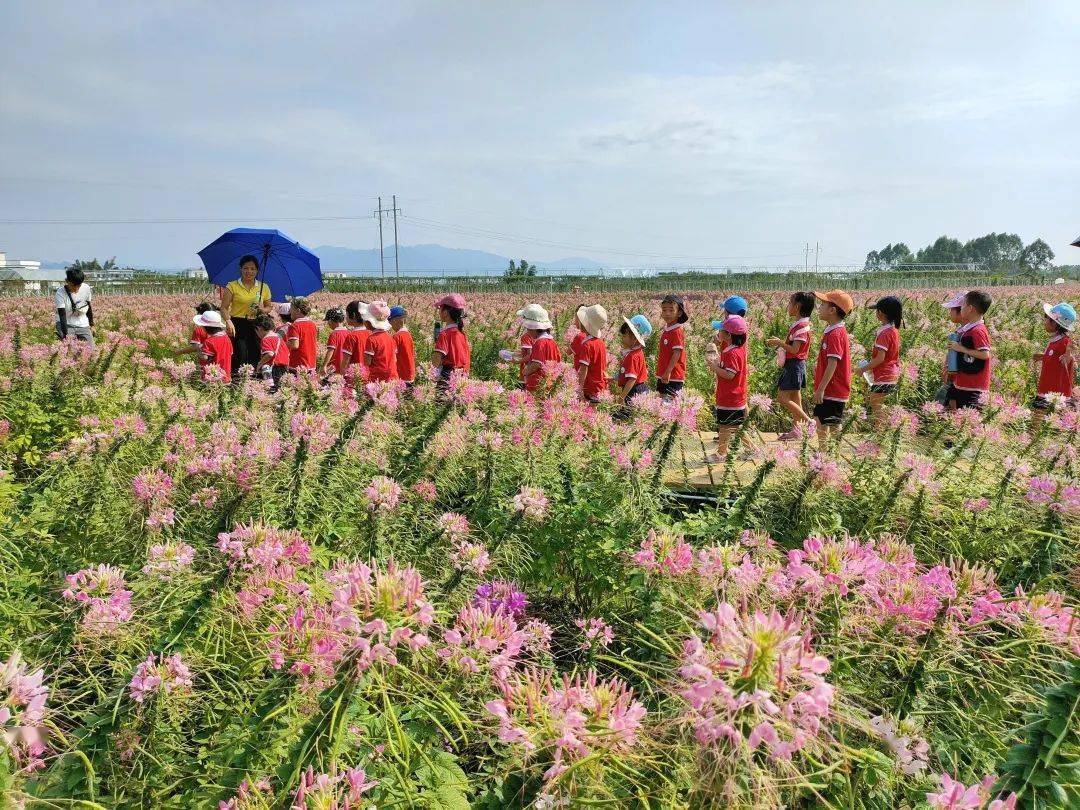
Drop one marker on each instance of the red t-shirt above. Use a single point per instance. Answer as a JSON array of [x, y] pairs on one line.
[[306, 333], [800, 331], [217, 351], [454, 347], [887, 340], [731, 394], [1056, 377], [381, 356], [524, 347], [835, 344], [544, 349], [275, 345], [338, 340], [406, 354], [198, 338], [576, 344], [358, 339], [979, 338], [633, 367], [672, 338], [593, 355]]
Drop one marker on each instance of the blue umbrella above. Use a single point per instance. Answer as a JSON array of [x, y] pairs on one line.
[[285, 265]]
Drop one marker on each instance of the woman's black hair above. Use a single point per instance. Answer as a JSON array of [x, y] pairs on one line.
[[248, 258], [738, 340], [264, 321], [75, 275], [893, 310], [205, 306], [805, 302], [456, 315]]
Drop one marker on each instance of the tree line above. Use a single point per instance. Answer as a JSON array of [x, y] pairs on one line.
[[995, 251]]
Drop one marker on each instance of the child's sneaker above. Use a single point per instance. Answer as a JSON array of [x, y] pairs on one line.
[[789, 436]]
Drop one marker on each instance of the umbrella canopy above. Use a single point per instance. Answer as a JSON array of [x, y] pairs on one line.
[[1077, 242], [286, 266]]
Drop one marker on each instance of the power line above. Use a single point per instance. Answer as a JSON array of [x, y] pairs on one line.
[[176, 220]]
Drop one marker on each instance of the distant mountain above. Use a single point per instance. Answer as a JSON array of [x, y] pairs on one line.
[[433, 257]]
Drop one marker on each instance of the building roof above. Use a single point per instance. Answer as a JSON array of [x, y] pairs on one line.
[[30, 274]]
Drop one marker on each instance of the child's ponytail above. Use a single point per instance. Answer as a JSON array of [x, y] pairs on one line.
[[457, 316]]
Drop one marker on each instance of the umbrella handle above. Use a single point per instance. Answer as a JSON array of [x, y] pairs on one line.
[[262, 269]]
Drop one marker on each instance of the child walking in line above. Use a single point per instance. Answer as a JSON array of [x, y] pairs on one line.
[[792, 352], [355, 313], [578, 340], [530, 312], [217, 348], [543, 348], [832, 371], [406, 350], [380, 355], [273, 352], [1057, 362], [198, 335], [726, 358], [302, 335], [591, 359], [735, 305], [952, 307], [633, 372], [971, 383], [671, 352], [452, 352], [882, 370], [336, 356]]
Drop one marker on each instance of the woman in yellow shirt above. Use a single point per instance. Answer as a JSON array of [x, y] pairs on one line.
[[241, 302]]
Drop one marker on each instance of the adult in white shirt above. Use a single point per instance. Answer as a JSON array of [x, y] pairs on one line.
[[74, 313]]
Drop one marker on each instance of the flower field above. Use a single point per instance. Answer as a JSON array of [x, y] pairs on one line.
[[343, 597]]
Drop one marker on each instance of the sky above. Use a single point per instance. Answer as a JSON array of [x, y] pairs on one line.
[[635, 134]]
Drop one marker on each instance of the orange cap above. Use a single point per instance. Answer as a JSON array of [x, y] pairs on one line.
[[837, 298]]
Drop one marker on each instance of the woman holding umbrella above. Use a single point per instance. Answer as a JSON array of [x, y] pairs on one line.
[[242, 301]]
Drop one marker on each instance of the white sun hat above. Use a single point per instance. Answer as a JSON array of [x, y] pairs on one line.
[[211, 318], [378, 315], [593, 319], [535, 316]]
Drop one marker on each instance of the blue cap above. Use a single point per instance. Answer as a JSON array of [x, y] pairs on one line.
[[735, 305], [1062, 314], [397, 312], [641, 328]]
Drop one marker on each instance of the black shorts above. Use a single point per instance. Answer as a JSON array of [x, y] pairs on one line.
[[966, 399], [792, 376], [830, 412], [669, 388], [729, 416], [882, 388]]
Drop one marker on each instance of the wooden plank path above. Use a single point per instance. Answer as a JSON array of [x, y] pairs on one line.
[[687, 470]]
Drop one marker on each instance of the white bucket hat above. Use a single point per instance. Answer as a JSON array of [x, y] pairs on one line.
[[593, 319], [378, 314], [535, 317], [211, 318]]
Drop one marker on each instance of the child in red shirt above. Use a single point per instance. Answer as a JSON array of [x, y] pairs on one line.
[[792, 352], [452, 352], [971, 382], [302, 335], [403, 342], [726, 357], [1057, 362], [273, 351], [633, 373], [882, 370], [832, 371], [381, 352], [543, 350], [338, 346], [217, 348], [579, 338], [671, 351], [591, 358], [198, 335], [357, 337]]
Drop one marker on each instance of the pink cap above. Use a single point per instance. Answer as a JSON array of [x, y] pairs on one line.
[[455, 300], [735, 325], [955, 302]]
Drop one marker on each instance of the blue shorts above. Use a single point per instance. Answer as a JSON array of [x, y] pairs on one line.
[[792, 376]]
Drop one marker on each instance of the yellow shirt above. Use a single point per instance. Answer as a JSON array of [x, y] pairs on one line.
[[245, 301]]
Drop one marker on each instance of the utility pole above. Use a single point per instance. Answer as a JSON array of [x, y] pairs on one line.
[[397, 269], [817, 253], [382, 267], [806, 258]]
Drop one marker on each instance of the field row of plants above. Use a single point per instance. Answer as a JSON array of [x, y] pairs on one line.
[[338, 597]]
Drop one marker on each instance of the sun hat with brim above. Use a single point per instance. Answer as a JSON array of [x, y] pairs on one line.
[[838, 298], [455, 300], [535, 316], [283, 309], [640, 328], [397, 312], [378, 314], [210, 318], [1062, 314], [677, 301], [593, 319], [955, 302]]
